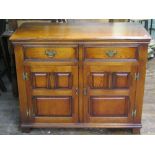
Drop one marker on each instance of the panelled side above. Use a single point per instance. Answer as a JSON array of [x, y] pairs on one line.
[[18, 49]]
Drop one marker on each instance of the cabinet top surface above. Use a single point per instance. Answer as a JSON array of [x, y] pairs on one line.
[[80, 32]]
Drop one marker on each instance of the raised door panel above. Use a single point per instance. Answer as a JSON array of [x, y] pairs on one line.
[[121, 80], [63, 80], [40, 80], [112, 101], [52, 106], [99, 80], [109, 106], [52, 94]]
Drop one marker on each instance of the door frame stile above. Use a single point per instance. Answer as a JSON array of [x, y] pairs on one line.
[[19, 57], [80, 75]]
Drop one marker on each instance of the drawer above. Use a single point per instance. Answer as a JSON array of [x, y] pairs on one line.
[[54, 53], [111, 53]]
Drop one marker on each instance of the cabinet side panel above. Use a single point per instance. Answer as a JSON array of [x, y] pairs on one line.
[[21, 84], [140, 83]]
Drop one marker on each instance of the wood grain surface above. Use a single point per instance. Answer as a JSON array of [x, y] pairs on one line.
[[80, 31], [95, 70]]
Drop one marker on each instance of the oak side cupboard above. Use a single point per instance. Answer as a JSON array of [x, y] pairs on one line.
[[81, 75]]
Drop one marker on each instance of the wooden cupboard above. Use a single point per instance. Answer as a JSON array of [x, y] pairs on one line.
[[81, 75]]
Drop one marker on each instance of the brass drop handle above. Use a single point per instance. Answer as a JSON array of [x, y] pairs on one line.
[[111, 53], [50, 54]]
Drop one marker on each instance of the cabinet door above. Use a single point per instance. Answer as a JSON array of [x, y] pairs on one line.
[[109, 93], [52, 93]]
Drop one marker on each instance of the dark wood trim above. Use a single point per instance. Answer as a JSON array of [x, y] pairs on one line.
[[80, 125], [69, 42], [136, 131]]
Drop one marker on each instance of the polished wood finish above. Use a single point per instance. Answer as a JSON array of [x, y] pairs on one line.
[[86, 75], [112, 98], [108, 106], [52, 93], [116, 53], [52, 106], [79, 32], [42, 52]]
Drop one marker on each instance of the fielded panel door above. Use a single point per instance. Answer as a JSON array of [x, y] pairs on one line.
[[52, 93], [109, 93]]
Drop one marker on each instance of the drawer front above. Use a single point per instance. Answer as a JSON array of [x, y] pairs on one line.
[[53, 53], [111, 53]]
